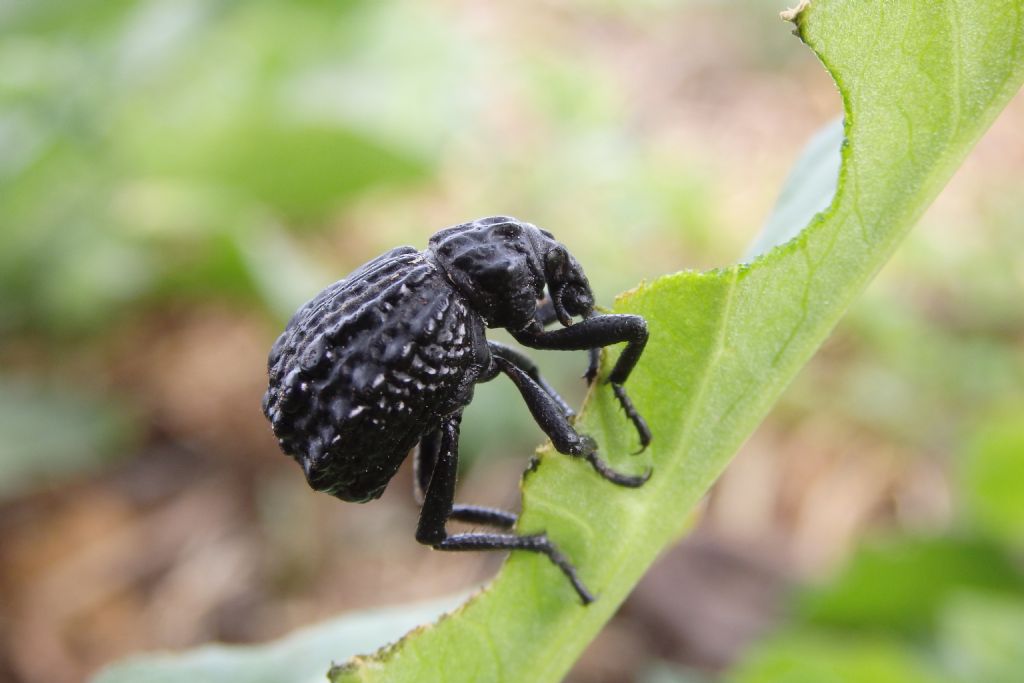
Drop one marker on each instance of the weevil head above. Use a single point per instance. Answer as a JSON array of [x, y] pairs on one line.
[[502, 266], [567, 284]]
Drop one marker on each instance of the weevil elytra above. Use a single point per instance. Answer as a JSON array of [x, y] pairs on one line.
[[386, 360]]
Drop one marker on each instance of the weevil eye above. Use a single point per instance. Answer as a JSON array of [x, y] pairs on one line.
[[556, 263]]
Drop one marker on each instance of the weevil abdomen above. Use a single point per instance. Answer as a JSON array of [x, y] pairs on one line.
[[367, 367]]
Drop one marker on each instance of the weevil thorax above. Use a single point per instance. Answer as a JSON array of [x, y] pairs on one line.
[[502, 265]]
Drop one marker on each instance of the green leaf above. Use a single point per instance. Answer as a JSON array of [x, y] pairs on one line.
[[982, 638], [993, 476], [882, 588], [303, 170], [921, 80], [301, 656], [817, 658]]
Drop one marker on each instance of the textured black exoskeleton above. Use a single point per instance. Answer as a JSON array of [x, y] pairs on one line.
[[388, 357]]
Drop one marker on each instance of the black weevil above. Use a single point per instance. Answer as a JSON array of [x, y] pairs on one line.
[[388, 357]]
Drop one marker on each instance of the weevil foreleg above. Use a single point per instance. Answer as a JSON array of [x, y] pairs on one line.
[[564, 438], [595, 332]]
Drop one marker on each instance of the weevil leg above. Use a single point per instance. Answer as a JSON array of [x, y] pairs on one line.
[[530, 368], [423, 464], [550, 419], [438, 507], [538, 543], [478, 514], [546, 316], [595, 332]]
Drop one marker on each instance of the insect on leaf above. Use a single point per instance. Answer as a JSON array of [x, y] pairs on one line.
[[921, 80]]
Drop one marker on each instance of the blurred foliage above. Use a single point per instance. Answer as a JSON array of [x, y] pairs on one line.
[[52, 433], [882, 587], [980, 638], [147, 143], [912, 608], [815, 658], [993, 477]]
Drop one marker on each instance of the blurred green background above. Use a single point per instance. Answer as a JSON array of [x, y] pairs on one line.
[[177, 176]]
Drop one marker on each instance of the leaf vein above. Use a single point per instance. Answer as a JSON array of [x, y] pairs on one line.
[[712, 361]]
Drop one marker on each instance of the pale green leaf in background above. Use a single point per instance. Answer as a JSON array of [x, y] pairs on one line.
[[301, 656], [982, 638], [808, 190]]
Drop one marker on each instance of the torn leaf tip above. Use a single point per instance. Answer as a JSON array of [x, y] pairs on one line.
[[792, 13]]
